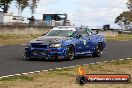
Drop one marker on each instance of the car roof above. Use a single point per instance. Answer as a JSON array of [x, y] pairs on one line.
[[74, 28], [69, 27], [65, 28]]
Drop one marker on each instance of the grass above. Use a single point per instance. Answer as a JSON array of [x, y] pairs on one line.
[[8, 39], [15, 78], [15, 39], [121, 62], [65, 78], [120, 37]]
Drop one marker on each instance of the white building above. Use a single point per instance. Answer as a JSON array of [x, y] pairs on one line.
[[9, 19], [6, 17]]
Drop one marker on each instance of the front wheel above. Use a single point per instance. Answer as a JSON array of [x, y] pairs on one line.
[[98, 50], [27, 58], [70, 53]]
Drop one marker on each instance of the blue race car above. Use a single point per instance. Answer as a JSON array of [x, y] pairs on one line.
[[65, 42]]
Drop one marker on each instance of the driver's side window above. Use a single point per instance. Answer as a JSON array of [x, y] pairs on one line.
[[84, 33]]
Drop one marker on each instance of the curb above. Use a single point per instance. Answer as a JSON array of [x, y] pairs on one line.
[[56, 69]]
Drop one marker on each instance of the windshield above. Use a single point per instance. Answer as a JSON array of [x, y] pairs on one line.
[[64, 33]]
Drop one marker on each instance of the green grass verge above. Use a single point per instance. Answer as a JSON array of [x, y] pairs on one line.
[[65, 78], [14, 78], [71, 72], [120, 37], [16, 39], [9, 39]]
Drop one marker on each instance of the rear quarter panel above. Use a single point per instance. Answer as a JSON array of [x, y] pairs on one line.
[[98, 39]]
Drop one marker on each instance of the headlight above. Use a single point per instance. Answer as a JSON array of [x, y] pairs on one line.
[[55, 45]]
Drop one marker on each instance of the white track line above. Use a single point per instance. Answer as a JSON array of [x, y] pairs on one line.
[[58, 68], [105, 61], [50, 69], [62, 68], [44, 70], [30, 72], [65, 67], [24, 73], [113, 60], [11, 75], [128, 58], [98, 62], [37, 71], [17, 74], [5, 76], [91, 63], [121, 59]]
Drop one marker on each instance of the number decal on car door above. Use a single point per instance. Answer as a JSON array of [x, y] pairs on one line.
[[84, 42]]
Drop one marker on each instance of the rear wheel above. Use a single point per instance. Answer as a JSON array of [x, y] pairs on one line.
[[98, 50], [70, 53]]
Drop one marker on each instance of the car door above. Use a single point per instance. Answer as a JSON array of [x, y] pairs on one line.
[[79, 45], [78, 42], [82, 42], [88, 45]]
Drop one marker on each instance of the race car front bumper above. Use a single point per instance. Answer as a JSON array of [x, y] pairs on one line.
[[45, 53]]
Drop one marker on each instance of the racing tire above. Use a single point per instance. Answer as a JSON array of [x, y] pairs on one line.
[[70, 53], [98, 50], [27, 58]]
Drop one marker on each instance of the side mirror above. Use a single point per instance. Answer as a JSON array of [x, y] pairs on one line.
[[78, 36]]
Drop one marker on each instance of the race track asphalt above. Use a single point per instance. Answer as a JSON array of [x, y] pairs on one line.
[[12, 62]]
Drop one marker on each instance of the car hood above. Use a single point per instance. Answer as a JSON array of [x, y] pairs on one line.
[[49, 39]]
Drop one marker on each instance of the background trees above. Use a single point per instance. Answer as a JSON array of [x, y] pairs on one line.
[[129, 5], [4, 5], [124, 20], [33, 6], [20, 4]]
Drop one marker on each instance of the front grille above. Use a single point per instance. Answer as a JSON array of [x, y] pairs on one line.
[[38, 45], [40, 52]]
